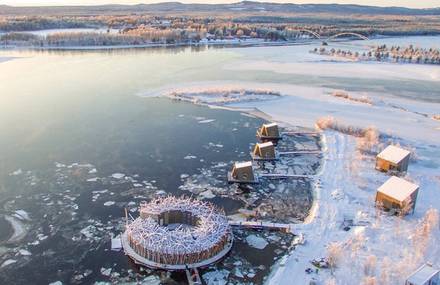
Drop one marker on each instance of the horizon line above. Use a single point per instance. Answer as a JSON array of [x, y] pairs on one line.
[[216, 3]]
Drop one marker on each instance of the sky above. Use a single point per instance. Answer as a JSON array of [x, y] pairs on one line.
[[402, 3]]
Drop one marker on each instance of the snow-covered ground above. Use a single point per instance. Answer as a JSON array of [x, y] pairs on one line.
[[346, 187]]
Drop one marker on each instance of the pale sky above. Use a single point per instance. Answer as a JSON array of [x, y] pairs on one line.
[[402, 3]]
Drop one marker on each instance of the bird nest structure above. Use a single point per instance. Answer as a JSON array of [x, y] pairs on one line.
[[177, 233]]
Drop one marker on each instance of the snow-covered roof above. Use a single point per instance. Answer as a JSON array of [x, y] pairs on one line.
[[393, 154], [243, 164], [266, 144], [270, 125], [398, 188], [422, 275]]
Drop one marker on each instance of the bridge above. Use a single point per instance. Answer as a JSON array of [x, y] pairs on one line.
[[360, 36], [310, 32], [318, 36]]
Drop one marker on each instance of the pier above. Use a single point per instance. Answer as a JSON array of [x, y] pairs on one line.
[[299, 152], [260, 225], [282, 176], [299, 133]]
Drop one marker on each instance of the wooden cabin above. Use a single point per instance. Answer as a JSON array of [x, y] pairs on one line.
[[424, 275], [242, 172], [397, 194], [264, 151], [393, 158], [269, 132]]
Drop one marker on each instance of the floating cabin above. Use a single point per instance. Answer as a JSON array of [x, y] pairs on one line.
[[393, 158], [242, 172], [269, 132], [397, 194], [425, 275], [264, 151]]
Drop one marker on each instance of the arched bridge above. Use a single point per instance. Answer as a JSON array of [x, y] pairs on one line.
[[362, 37], [310, 32]]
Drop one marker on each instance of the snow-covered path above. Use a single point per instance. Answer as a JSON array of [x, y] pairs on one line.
[[325, 217]]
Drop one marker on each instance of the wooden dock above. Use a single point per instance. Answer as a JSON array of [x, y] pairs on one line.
[[260, 225], [283, 176], [298, 133], [193, 276], [300, 152]]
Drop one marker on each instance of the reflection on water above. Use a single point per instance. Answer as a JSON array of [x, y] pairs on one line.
[[67, 179]]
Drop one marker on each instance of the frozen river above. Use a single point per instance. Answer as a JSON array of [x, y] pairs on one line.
[[74, 121]]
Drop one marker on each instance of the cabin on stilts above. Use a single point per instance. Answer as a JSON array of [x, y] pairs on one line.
[[398, 195], [264, 151], [393, 158], [269, 132], [242, 172]]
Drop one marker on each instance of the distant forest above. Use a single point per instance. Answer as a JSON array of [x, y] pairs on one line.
[[172, 23]]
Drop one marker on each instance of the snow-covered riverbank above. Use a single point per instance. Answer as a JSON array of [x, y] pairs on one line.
[[346, 187]]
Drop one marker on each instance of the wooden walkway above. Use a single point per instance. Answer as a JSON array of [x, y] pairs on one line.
[[300, 152], [298, 133], [260, 225], [282, 176]]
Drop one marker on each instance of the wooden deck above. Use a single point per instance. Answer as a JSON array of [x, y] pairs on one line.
[[260, 225]]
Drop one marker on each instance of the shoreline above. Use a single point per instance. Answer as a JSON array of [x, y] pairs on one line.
[[235, 43]]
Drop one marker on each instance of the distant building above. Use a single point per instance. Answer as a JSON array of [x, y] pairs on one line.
[[242, 172], [269, 132], [397, 194], [425, 275], [393, 158], [264, 151]]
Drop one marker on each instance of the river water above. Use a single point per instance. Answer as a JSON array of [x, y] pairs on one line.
[[78, 145]]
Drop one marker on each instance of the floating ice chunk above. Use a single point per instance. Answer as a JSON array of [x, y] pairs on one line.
[[59, 165], [207, 194], [238, 273], [8, 262], [161, 193], [183, 176], [94, 179], [16, 172], [116, 243], [206, 121], [118, 175], [109, 203], [24, 252], [151, 280], [106, 271], [251, 275], [218, 277], [93, 171], [190, 157], [22, 214], [56, 283], [256, 241], [138, 185]]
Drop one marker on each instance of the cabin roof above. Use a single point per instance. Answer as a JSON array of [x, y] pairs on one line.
[[243, 164], [423, 274], [270, 125], [398, 188], [393, 154], [266, 144]]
